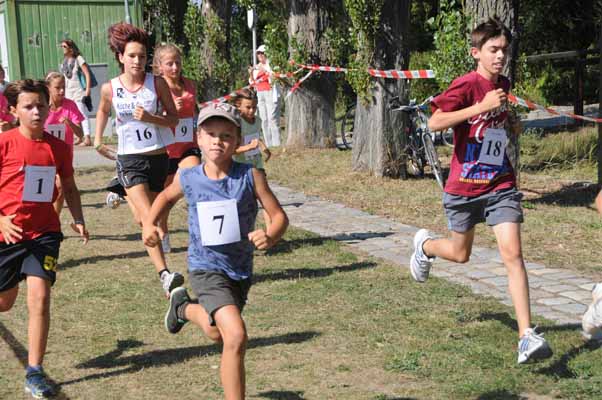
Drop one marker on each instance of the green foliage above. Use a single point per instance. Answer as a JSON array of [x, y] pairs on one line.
[[275, 38], [452, 48], [158, 20], [566, 148], [193, 66], [420, 89]]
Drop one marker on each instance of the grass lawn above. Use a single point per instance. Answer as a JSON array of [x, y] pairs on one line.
[[561, 229], [323, 322]]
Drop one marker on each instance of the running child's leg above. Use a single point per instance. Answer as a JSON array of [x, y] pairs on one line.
[[38, 305], [457, 248], [7, 298], [234, 336], [509, 244]]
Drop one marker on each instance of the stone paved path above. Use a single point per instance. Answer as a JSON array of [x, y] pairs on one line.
[[559, 295]]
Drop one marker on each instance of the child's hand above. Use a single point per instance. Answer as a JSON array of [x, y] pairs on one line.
[[105, 151], [81, 229], [260, 239], [179, 104], [5, 126], [151, 234], [10, 231], [140, 114], [493, 99], [253, 144]]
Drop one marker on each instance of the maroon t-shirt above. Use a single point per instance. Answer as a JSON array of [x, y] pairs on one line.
[[467, 176]]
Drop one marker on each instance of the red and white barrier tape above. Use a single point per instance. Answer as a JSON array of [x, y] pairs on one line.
[[298, 83], [533, 106], [378, 73]]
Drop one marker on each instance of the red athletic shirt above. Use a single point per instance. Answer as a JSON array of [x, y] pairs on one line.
[[468, 177], [176, 150], [16, 153]]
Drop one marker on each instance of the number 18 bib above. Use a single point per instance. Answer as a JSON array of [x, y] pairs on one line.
[[218, 221], [494, 147]]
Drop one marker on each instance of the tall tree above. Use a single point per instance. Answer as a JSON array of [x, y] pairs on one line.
[[310, 111], [216, 47], [378, 145], [507, 11]]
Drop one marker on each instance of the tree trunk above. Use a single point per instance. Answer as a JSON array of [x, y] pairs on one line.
[[217, 15], [378, 141], [507, 11], [310, 110]]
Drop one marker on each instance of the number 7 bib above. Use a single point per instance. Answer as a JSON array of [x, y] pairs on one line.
[[39, 183], [494, 147], [218, 222]]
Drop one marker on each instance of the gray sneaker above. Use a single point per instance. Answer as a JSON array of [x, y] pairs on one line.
[[178, 297], [420, 264], [170, 281], [533, 347]]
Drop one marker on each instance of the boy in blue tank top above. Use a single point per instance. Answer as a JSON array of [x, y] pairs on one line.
[[222, 206]]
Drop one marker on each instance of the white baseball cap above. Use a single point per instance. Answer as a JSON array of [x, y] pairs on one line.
[[260, 49]]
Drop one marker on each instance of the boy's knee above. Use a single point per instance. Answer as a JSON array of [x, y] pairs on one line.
[[461, 255], [213, 334], [235, 340], [6, 303]]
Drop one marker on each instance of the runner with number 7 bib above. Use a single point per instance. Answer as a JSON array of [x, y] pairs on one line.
[[144, 112]]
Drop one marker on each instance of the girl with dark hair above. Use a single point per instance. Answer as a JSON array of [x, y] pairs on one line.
[[73, 63], [145, 112]]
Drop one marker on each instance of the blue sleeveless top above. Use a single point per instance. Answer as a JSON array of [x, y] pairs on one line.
[[234, 259]]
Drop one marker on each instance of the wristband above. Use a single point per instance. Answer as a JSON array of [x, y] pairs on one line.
[[79, 222]]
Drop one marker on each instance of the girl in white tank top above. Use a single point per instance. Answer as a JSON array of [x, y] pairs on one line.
[[145, 112]]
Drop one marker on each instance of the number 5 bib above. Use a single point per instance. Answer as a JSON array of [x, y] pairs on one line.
[[39, 183], [218, 221], [494, 147]]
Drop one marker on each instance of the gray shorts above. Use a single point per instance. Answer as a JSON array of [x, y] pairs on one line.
[[215, 289], [494, 208]]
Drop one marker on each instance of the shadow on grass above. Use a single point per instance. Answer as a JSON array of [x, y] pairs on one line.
[[502, 317], [157, 358], [76, 262], [500, 394], [311, 273], [130, 236], [282, 395], [91, 191], [574, 195], [288, 246], [559, 369]]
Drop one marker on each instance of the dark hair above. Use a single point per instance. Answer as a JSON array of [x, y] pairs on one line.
[[14, 89], [489, 29], [120, 34], [73, 46], [246, 94]]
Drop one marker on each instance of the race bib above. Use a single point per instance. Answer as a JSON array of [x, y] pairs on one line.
[[39, 184], [143, 135], [57, 130], [218, 221], [248, 139], [494, 147], [184, 131]]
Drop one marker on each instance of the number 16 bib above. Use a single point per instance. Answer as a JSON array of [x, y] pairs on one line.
[[494, 147], [218, 221]]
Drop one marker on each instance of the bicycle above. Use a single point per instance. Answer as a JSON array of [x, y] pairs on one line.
[[346, 131], [420, 147]]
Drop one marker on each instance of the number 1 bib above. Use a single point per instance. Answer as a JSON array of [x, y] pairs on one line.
[[494, 147], [57, 130], [39, 183], [184, 131], [218, 222]]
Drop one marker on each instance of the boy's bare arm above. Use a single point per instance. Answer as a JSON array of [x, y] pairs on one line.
[[75, 206], [164, 201], [262, 239], [441, 120]]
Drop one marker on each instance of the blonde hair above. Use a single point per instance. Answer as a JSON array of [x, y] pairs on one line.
[[160, 52], [53, 75]]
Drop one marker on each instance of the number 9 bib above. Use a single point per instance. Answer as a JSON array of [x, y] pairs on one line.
[[218, 222], [184, 130], [493, 149], [39, 184]]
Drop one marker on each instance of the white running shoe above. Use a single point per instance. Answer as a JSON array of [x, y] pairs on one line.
[[113, 200], [165, 244], [532, 346], [592, 319], [170, 281], [420, 264]]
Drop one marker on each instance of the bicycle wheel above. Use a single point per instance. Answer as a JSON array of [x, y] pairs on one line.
[[432, 158], [448, 137], [347, 124]]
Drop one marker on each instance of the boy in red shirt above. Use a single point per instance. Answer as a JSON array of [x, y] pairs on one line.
[[30, 230], [482, 185]]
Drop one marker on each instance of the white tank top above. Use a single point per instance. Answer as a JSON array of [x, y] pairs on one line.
[[135, 137]]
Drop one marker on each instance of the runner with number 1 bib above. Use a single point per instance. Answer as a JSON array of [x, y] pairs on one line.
[[143, 131]]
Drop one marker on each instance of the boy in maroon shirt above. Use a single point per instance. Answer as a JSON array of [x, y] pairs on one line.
[[30, 230], [482, 184]]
